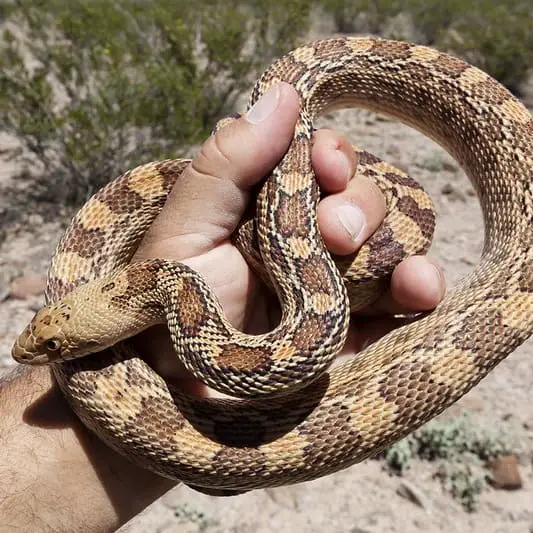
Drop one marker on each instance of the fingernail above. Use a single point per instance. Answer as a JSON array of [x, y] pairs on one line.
[[265, 106], [352, 219]]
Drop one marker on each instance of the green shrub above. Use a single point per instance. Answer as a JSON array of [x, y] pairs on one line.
[[461, 448], [432, 18], [91, 88], [465, 486], [185, 514], [495, 35], [361, 15], [400, 455]]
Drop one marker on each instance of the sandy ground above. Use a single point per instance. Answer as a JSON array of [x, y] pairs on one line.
[[364, 498]]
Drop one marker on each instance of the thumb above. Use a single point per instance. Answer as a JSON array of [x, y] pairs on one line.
[[209, 198]]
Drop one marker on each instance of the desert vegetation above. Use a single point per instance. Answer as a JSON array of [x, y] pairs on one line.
[[90, 89]]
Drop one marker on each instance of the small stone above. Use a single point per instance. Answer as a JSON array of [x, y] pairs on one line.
[[467, 261], [447, 189], [505, 473], [411, 492], [27, 286], [453, 193], [449, 166], [394, 151], [528, 424], [4, 294]]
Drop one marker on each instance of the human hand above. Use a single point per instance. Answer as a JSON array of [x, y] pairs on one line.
[[210, 198]]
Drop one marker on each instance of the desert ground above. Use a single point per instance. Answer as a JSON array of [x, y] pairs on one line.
[[366, 498]]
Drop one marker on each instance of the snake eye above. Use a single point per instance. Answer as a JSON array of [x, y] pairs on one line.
[[53, 345]]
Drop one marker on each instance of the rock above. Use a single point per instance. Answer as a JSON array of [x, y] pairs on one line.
[[467, 261], [452, 192], [394, 151], [411, 492], [449, 166], [27, 286], [447, 188], [528, 424], [505, 473]]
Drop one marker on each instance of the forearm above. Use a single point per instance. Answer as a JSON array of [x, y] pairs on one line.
[[54, 474]]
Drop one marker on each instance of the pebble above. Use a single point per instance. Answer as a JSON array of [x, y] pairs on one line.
[[528, 424], [411, 492], [27, 286], [505, 473], [449, 166], [453, 193]]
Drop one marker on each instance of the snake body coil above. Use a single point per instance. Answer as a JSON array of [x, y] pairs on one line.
[[354, 410]]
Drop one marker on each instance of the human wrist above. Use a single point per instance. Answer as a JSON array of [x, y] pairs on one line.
[[55, 471]]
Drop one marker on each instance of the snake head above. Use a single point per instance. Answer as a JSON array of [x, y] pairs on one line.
[[44, 340]]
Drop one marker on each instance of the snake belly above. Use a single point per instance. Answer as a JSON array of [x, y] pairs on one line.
[[356, 409]]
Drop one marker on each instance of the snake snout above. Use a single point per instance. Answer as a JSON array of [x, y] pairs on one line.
[[25, 351], [22, 349]]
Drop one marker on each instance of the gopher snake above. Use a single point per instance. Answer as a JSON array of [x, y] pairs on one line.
[[349, 412]]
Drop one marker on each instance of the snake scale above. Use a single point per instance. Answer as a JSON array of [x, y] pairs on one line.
[[297, 419]]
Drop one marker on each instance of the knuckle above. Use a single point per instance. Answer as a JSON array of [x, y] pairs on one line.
[[369, 194], [213, 159]]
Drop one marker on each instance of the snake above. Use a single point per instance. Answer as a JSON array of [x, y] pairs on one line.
[[292, 416]]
